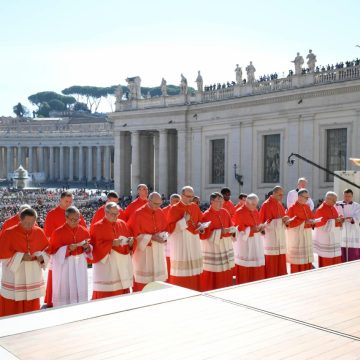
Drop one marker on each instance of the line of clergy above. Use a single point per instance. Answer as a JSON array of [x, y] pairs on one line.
[[227, 244]]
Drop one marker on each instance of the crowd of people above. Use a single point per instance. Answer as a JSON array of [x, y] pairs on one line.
[[43, 200], [142, 241]]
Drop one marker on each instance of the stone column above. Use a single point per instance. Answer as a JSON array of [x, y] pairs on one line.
[[9, 159], [81, 165], [233, 157], [117, 161], [71, 163], [19, 156], [90, 164], [61, 165], [30, 165], [51, 162], [135, 160], [41, 159], [107, 161], [98, 163], [163, 162], [181, 158], [196, 162]]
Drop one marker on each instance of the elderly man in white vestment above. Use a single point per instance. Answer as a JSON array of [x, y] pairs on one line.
[[70, 248]]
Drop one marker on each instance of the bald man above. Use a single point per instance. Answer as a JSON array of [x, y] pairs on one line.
[[149, 227], [186, 260], [327, 234]]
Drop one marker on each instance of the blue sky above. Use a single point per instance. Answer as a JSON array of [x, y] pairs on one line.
[[51, 45]]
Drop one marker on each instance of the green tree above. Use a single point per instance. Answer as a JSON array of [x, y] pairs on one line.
[[79, 106], [20, 110], [90, 95], [55, 101], [44, 110], [56, 105]]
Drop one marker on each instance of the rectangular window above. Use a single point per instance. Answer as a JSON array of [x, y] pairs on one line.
[[217, 156], [271, 158], [336, 143]]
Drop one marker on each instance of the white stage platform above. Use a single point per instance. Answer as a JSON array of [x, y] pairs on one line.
[[311, 315]]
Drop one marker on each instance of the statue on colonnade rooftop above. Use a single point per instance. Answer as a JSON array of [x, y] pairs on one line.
[[183, 85], [312, 61], [134, 85], [238, 72], [298, 62], [163, 87], [250, 70], [199, 82]]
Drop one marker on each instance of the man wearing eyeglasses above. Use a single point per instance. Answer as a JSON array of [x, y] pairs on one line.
[[293, 194], [327, 234], [272, 213], [112, 196], [112, 267], [300, 252], [70, 249], [217, 247], [149, 227], [184, 221]]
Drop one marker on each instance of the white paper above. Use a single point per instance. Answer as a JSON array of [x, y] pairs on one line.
[[81, 243], [205, 225], [317, 220], [232, 229], [124, 240]]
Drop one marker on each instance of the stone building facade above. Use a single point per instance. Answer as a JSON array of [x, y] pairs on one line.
[[246, 131], [58, 150]]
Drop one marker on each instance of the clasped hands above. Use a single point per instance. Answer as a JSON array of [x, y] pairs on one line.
[[340, 219], [29, 257], [85, 246], [258, 228], [119, 242], [158, 237]]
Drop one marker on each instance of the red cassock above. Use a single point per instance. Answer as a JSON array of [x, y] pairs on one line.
[[166, 210], [301, 212], [243, 219], [146, 221], [211, 280], [132, 207], [275, 265], [230, 207], [176, 213], [65, 235], [102, 236], [54, 219], [13, 240], [10, 222], [327, 212], [100, 213]]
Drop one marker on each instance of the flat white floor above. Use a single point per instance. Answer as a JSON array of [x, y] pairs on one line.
[[311, 315]]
